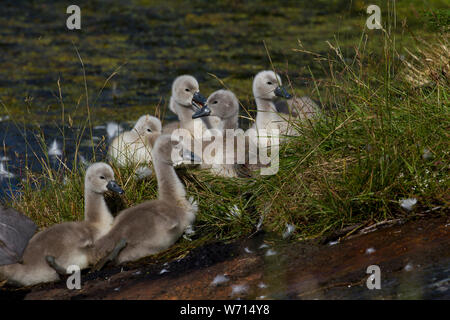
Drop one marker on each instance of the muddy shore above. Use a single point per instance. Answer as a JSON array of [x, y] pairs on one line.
[[414, 259]]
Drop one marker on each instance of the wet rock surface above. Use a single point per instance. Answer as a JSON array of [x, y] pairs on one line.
[[414, 259]]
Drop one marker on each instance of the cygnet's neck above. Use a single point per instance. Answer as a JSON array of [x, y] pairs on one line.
[[184, 113], [267, 112], [170, 188], [230, 122], [96, 211]]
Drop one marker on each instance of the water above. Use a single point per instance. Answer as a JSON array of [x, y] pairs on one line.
[[27, 147], [150, 41]]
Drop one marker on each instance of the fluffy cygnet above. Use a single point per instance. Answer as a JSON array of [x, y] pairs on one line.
[[52, 250], [154, 225], [134, 147]]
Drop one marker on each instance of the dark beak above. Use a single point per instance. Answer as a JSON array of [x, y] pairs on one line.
[[114, 187], [282, 92], [198, 101], [203, 112], [191, 156]]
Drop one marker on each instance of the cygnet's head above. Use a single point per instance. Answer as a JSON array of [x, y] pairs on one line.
[[185, 91], [267, 86], [171, 150], [221, 103], [100, 178], [147, 125]]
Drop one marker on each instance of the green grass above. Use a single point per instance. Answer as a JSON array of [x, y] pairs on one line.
[[386, 140]]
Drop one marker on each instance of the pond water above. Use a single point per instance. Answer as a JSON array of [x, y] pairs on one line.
[[28, 148]]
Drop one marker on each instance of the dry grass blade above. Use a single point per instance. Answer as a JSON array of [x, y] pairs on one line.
[[431, 63]]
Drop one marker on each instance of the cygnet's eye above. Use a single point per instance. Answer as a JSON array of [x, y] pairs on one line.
[[215, 102], [102, 177], [149, 130], [269, 83], [187, 89]]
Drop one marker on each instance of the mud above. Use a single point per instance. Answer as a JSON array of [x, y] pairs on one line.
[[414, 259]]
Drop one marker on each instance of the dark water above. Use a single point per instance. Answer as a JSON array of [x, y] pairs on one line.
[[27, 148], [153, 41]]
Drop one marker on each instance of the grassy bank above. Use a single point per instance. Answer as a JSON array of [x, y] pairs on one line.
[[385, 139]]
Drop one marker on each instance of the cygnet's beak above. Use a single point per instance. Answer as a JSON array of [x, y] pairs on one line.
[[282, 92], [198, 100], [190, 156], [203, 112], [114, 187]]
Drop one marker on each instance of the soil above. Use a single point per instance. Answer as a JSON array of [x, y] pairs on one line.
[[414, 260]]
